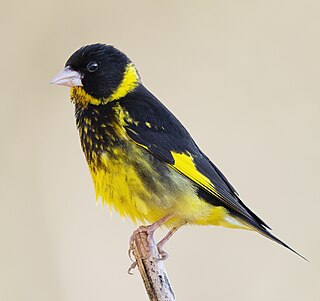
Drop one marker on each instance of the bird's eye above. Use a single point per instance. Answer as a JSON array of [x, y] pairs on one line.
[[92, 66]]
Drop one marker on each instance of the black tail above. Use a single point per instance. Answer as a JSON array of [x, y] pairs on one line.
[[260, 229]]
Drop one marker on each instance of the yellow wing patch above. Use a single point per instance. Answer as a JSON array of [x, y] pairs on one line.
[[219, 215], [185, 165]]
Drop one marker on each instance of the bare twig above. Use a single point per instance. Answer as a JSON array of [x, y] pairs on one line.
[[151, 269]]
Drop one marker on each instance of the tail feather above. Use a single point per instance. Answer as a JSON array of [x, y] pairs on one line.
[[263, 231], [255, 217], [267, 234]]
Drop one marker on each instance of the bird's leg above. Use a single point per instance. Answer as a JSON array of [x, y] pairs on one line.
[[146, 230], [163, 254]]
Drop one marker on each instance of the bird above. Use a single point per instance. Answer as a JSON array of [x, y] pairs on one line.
[[142, 160]]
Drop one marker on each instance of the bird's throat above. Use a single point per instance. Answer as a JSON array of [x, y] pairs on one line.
[[81, 98]]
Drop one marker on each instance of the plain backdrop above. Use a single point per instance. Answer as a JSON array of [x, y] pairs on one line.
[[243, 76]]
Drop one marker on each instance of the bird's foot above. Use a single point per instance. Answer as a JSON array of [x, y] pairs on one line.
[[144, 243], [143, 236]]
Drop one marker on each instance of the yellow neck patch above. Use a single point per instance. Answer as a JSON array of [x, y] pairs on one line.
[[129, 82]]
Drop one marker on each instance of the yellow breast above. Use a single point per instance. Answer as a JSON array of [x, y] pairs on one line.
[[117, 184]]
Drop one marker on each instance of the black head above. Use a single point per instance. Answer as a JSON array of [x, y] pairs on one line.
[[98, 69], [101, 67]]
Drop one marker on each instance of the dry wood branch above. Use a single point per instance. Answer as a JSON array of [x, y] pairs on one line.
[[152, 271]]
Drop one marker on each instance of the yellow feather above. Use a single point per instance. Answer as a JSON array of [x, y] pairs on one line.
[[80, 96], [184, 164]]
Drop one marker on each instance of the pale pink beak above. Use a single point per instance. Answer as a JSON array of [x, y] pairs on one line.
[[67, 77]]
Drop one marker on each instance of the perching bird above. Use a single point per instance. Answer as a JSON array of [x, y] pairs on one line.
[[142, 160]]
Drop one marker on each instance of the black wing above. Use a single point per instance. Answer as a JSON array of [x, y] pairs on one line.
[[161, 133]]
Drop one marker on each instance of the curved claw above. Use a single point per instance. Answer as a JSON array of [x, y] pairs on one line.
[[163, 255], [132, 267]]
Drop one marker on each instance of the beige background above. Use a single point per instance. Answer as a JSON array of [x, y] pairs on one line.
[[243, 76]]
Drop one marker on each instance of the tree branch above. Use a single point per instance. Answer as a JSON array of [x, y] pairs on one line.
[[152, 271]]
